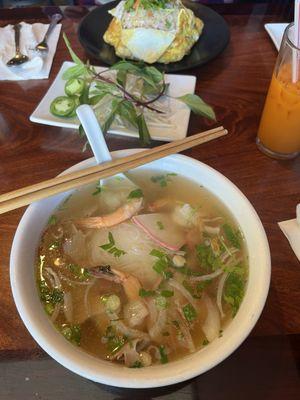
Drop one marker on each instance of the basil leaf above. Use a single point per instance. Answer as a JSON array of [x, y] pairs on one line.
[[154, 73], [109, 120], [75, 58], [121, 77], [143, 130], [198, 106], [95, 99], [81, 131], [128, 112], [107, 87]]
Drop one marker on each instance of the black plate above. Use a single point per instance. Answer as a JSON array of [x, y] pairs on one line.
[[213, 40]]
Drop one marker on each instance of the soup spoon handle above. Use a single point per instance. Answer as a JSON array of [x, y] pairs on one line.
[[94, 133]]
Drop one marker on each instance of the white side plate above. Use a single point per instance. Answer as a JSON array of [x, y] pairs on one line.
[[171, 126]]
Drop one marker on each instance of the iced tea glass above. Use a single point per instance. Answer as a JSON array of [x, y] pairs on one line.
[[279, 130]]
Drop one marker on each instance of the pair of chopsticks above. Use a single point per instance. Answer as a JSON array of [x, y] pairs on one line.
[[24, 196]]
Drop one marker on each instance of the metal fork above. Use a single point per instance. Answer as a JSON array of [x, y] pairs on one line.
[[43, 46]]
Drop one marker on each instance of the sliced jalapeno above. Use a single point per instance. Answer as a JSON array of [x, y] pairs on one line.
[[77, 103], [62, 106], [74, 87]]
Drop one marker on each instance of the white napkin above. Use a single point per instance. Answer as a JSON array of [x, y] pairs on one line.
[[291, 229], [276, 32], [38, 67]]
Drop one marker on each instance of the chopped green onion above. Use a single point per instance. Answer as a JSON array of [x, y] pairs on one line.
[[167, 293], [160, 225], [189, 312], [146, 293], [112, 303], [52, 220], [161, 302], [163, 355]]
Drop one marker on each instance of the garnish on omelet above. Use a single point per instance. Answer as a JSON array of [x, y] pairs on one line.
[[161, 31]]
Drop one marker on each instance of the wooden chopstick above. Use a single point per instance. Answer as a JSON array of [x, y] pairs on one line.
[[24, 196]]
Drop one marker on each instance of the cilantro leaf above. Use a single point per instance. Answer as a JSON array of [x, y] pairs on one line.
[[111, 248], [234, 237], [135, 194], [98, 190], [207, 259], [72, 333], [234, 291]]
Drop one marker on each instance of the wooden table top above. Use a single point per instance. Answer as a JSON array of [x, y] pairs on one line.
[[235, 83]]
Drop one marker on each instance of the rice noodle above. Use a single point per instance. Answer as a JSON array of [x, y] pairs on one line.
[[208, 276], [129, 351], [220, 292], [215, 219], [55, 277], [152, 317], [188, 340], [49, 278], [156, 330], [212, 324], [85, 300], [71, 282], [68, 306], [212, 230], [226, 255], [178, 286], [55, 313], [129, 332], [155, 351]]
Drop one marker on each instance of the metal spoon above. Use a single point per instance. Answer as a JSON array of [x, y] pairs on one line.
[[43, 46], [19, 58]]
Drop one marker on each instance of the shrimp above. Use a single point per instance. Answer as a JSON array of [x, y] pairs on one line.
[[135, 310], [159, 204], [123, 213], [130, 283]]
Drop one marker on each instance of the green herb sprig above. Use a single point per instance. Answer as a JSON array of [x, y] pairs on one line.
[[111, 248], [125, 104]]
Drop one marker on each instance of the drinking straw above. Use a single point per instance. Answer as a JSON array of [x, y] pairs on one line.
[[295, 66]]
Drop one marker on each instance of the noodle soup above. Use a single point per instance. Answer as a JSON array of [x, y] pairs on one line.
[[142, 273]]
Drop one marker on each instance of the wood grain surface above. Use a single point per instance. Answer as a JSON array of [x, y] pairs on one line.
[[235, 84]]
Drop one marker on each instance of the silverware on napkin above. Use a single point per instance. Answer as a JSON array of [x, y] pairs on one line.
[[42, 47], [18, 58]]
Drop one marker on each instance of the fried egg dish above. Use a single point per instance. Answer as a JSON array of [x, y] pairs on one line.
[[161, 31]]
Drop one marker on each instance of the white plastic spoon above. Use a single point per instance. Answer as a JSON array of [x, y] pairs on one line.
[[95, 137]]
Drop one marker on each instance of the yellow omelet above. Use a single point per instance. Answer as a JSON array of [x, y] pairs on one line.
[[153, 35]]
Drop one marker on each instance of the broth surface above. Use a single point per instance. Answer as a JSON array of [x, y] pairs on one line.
[[123, 292]]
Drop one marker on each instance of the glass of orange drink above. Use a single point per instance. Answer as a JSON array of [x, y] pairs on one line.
[[279, 130]]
